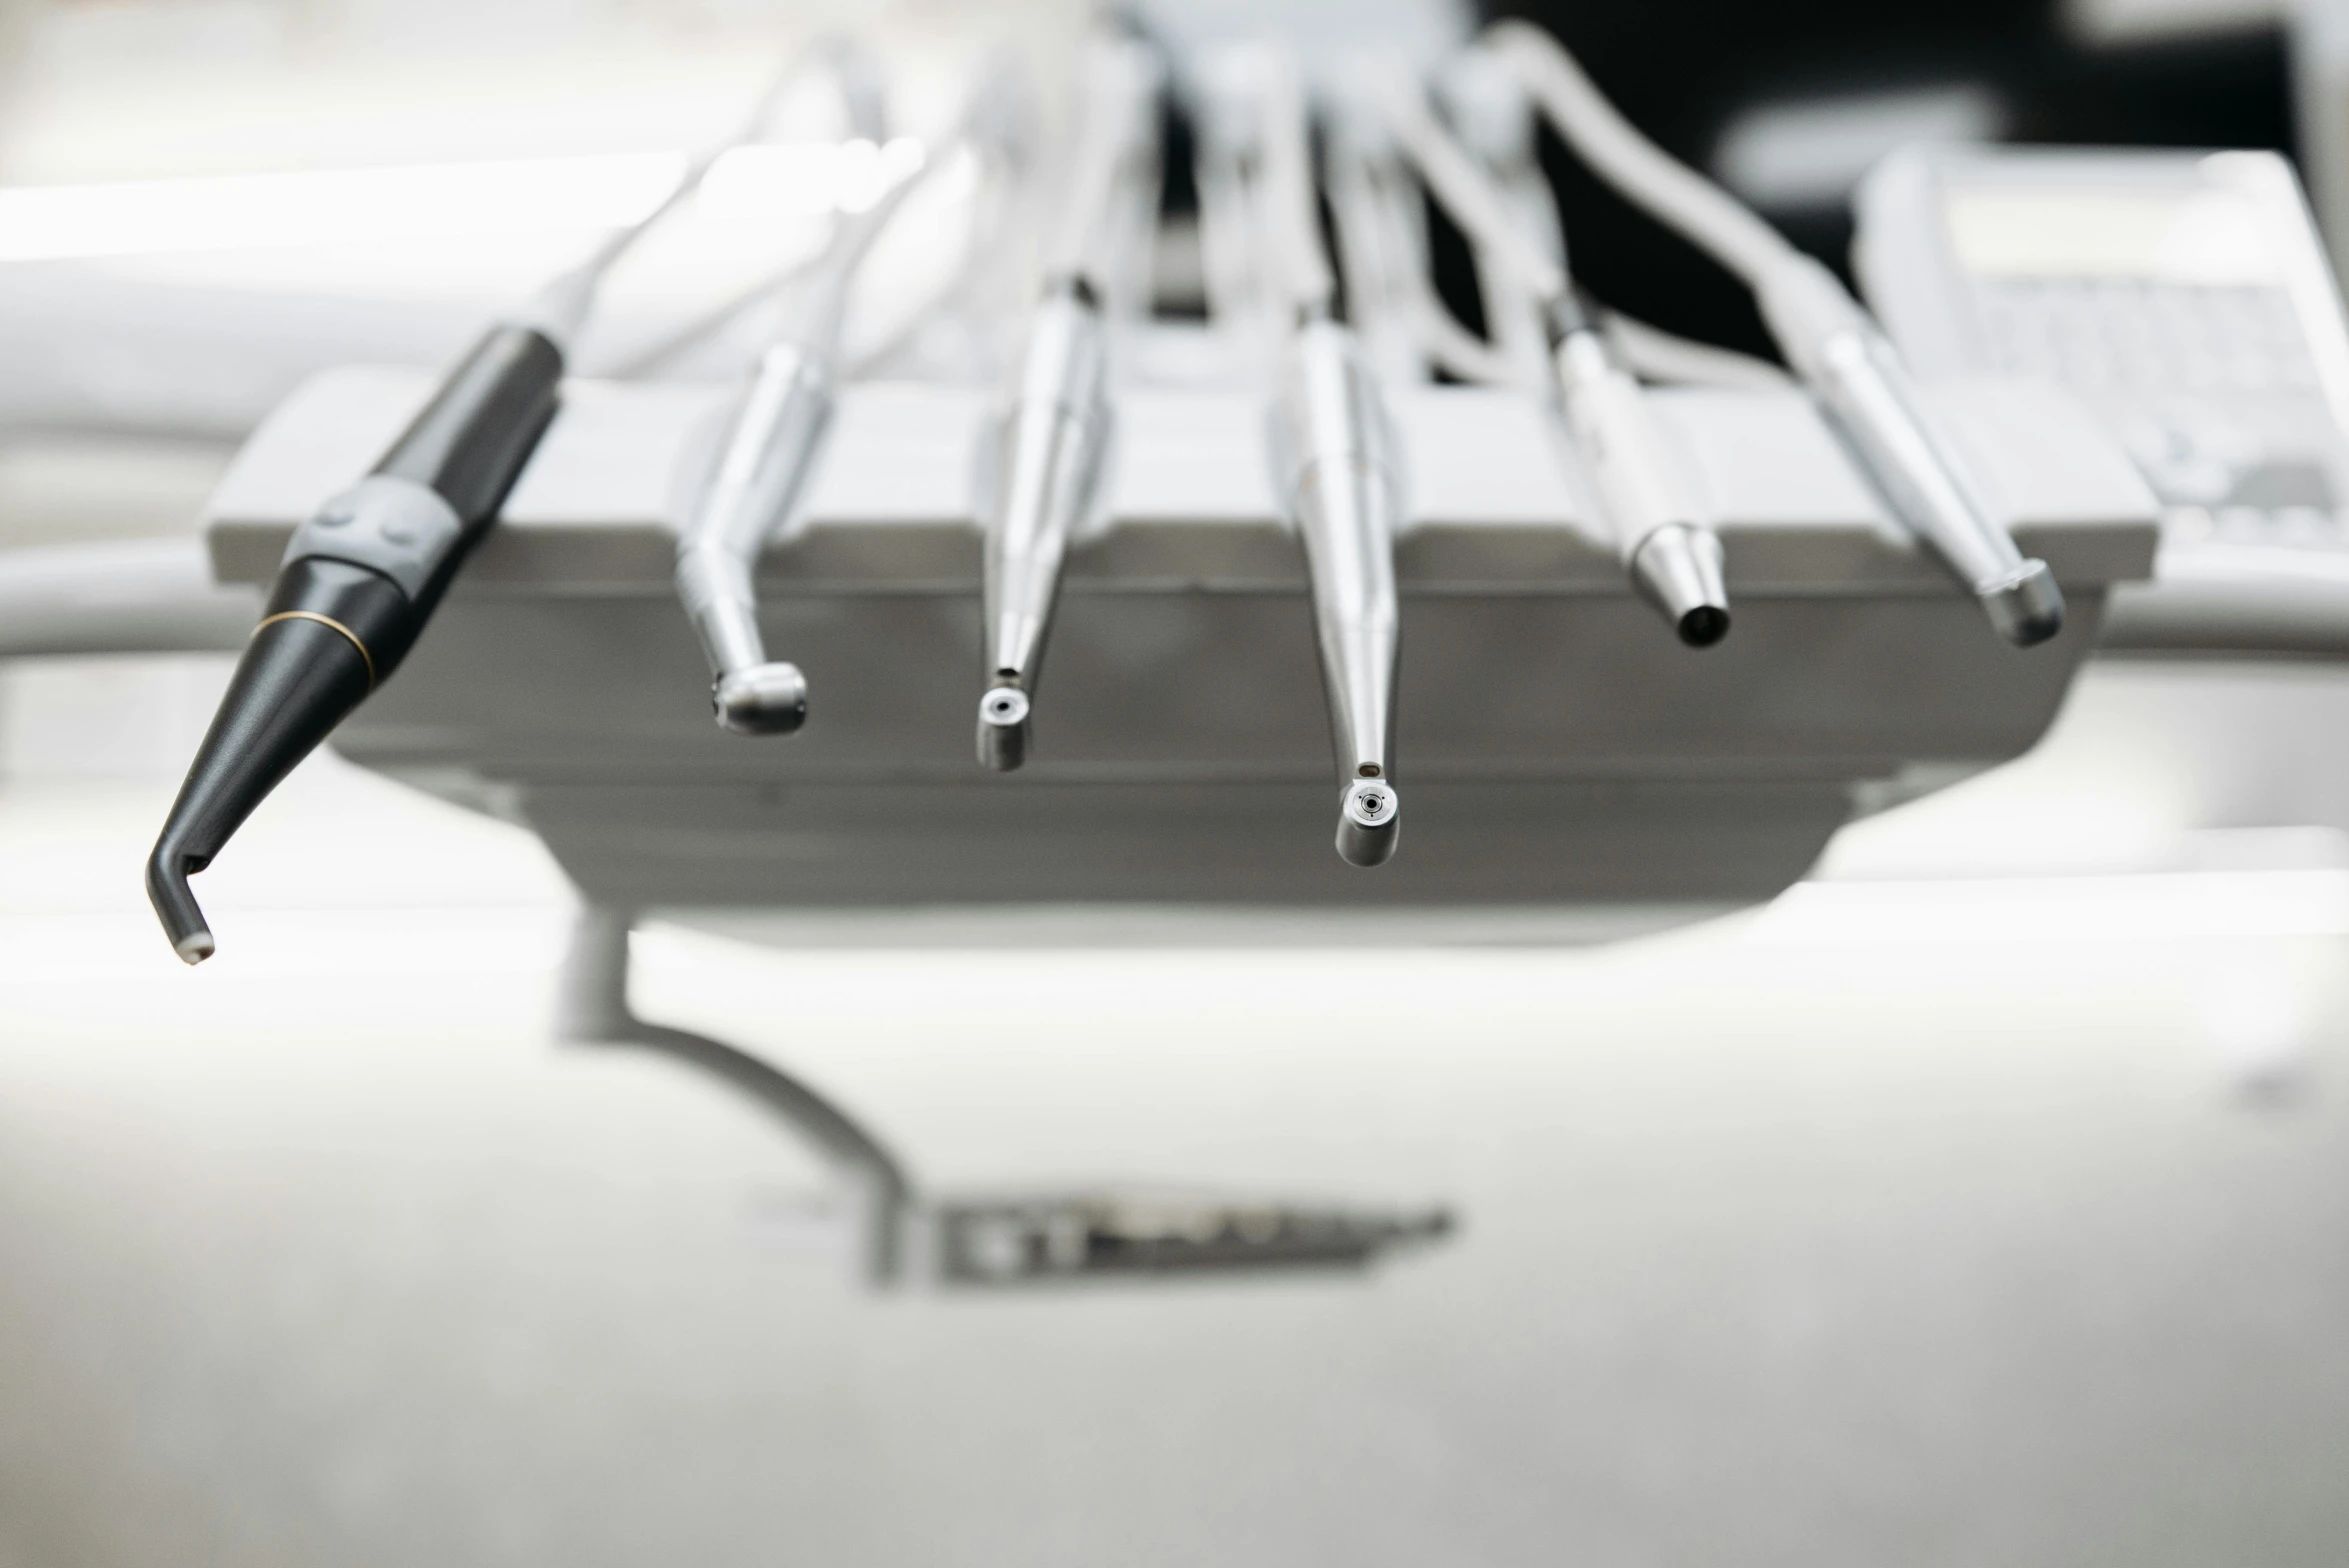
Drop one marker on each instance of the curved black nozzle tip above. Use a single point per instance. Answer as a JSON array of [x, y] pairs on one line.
[[1703, 626], [1004, 730], [766, 699], [1370, 821], [304, 670], [175, 905], [2027, 608]]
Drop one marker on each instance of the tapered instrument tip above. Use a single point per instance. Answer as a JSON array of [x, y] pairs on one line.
[[1370, 821], [766, 699], [1003, 728], [2027, 608], [1678, 569]]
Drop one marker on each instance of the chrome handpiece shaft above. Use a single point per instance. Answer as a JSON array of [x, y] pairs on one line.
[[769, 447], [1054, 433], [1860, 381], [1336, 465], [1335, 472], [1828, 339], [1672, 556], [1048, 467]]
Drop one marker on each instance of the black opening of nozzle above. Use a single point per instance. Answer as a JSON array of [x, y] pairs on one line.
[[1004, 730], [311, 661], [1703, 626]]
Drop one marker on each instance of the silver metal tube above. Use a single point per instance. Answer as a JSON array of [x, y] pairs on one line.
[[1335, 469], [1867, 392], [1831, 342], [1048, 468], [770, 446], [1335, 463], [1291, 218], [1054, 433], [1673, 558]]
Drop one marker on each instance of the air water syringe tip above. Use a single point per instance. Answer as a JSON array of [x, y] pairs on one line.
[[2026, 608], [1703, 626], [1004, 729], [1370, 821], [1678, 569], [766, 699], [175, 905]]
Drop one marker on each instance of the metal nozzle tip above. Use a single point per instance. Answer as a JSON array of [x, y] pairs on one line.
[[1703, 626], [2027, 608], [1003, 728], [1370, 820], [1678, 570], [766, 699]]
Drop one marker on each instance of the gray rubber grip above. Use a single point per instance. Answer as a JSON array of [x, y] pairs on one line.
[[394, 526]]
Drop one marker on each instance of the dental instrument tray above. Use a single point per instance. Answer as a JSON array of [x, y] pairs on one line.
[[1557, 749]]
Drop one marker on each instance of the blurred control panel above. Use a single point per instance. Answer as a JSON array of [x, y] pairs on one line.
[[2184, 298]]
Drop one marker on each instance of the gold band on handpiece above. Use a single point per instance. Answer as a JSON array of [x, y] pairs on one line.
[[365, 657]]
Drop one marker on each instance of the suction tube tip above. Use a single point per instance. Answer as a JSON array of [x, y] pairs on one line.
[[766, 699], [1678, 569], [1703, 626], [175, 905], [1370, 820], [2026, 608], [1003, 728]]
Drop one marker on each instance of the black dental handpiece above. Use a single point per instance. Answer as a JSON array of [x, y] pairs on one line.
[[358, 582], [362, 576]]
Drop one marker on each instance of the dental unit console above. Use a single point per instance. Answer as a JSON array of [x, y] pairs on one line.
[[1239, 535]]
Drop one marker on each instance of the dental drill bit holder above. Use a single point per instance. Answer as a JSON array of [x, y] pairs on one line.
[[1557, 749]]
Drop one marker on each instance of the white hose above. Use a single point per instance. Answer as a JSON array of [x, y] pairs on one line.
[[1292, 218], [1456, 350], [705, 324], [978, 237], [1643, 173], [1113, 131], [560, 308], [1468, 193], [1656, 355], [1833, 344]]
